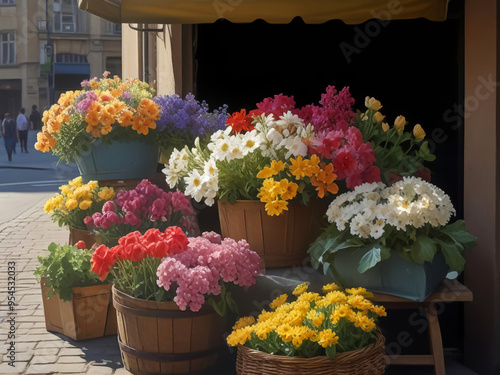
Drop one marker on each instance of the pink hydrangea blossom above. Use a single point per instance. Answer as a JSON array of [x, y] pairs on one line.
[[208, 261]]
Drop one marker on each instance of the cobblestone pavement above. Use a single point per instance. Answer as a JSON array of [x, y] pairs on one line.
[[38, 351]]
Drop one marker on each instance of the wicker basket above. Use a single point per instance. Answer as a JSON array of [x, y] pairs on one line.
[[367, 361]]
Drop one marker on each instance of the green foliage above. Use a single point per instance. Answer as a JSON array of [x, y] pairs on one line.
[[396, 151], [66, 267], [451, 240]]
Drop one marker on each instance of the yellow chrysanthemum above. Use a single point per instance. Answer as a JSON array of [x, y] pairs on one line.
[[318, 320], [330, 287], [360, 291], [278, 301], [301, 288], [327, 338], [276, 207], [244, 322], [71, 204], [106, 193]]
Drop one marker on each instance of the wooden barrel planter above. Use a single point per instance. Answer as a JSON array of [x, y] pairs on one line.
[[90, 314], [158, 338], [76, 235], [281, 241]]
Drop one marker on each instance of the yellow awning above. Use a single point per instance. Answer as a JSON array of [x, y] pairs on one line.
[[272, 11]]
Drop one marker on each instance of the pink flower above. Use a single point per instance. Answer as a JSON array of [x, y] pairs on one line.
[[109, 206], [131, 219]]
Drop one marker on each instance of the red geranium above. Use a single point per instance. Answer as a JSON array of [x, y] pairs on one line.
[[102, 260], [176, 240], [240, 121]]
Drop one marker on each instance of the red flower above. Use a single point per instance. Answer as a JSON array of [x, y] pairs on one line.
[[102, 260], [240, 121], [424, 174], [345, 164], [81, 245], [176, 240]]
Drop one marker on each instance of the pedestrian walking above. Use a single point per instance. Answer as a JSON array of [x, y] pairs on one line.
[[34, 118], [22, 128], [10, 134]]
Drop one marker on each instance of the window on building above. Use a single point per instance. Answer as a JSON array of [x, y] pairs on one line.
[[64, 16], [70, 58], [114, 28], [8, 2], [8, 47]]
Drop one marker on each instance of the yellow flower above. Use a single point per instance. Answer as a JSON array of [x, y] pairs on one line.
[[299, 167], [378, 117], [335, 297], [372, 103], [285, 332], [65, 190], [76, 182], [318, 320], [244, 322], [48, 207], [274, 169], [359, 302], [385, 126], [330, 287], [327, 338], [290, 190], [301, 288], [278, 301], [106, 194], [400, 123], [71, 204], [276, 207], [85, 204], [379, 310], [360, 291], [418, 132]]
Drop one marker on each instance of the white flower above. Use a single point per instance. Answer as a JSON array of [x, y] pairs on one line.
[[194, 185], [295, 147], [290, 121], [210, 168], [235, 148], [250, 142], [221, 148], [171, 176]]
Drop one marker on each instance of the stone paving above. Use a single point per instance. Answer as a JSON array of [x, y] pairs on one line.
[[38, 351]]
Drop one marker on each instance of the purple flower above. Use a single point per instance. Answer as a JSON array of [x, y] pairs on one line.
[[126, 95]]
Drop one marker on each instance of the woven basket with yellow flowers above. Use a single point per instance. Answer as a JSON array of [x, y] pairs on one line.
[[332, 333], [109, 121]]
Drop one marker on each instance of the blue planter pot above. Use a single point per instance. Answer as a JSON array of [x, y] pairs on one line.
[[395, 276], [117, 161]]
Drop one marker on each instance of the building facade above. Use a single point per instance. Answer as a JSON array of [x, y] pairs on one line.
[[48, 47]]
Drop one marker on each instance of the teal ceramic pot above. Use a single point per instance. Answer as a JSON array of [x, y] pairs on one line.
[[395, 276], [118, 161]]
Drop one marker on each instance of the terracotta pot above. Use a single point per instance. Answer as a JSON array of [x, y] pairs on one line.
[[158, 338], [89, 238], [281, 241], [90, 314]]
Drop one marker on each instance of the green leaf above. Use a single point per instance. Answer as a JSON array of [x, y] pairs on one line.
[[458, 233], [370, 259], [331, 351], [425, 153], [423, 249], [453, 255]]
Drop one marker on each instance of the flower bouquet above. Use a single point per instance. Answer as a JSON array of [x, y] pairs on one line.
[[76, 303], [166, 282], [76, 201], [398, 153], [331, 334], [407, 222], [142, 208], [107, 117], [183, 120]]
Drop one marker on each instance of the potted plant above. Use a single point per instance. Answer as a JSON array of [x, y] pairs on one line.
[[107, 117], [306, 149], [170, 292], [182, 120], [74, 203], [334, 333], [75, 302], [139, 209], [394, 239]]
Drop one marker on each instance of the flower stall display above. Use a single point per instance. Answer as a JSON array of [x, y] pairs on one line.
[[394, 239], [169, 283], [74, 203], [183, 120], [267, 161], [75, 302], [106, 128], [398, 152], [333, 333], [139, 209]]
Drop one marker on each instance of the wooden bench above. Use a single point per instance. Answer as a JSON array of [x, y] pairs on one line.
[[447, 291]]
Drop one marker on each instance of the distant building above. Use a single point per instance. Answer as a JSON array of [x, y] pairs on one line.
[[82, 46]]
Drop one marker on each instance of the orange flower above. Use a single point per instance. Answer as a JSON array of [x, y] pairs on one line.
[[106, 96], [142, 125], [148, 108], [125, 118], [44, 142], [326, 174], [94, 84]]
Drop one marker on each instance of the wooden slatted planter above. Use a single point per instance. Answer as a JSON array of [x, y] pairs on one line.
[[90, 314], [158, 338]]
